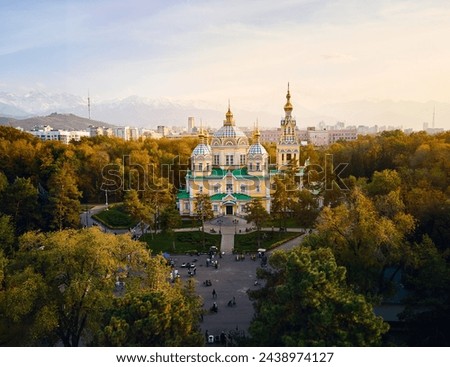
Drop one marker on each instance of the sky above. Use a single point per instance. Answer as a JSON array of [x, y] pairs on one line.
[[245, 51]]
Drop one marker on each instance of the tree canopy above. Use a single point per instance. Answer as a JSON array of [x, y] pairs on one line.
[[306, 302], [67, 286]]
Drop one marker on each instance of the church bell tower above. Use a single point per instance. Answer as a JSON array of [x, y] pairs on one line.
[[288, 148]]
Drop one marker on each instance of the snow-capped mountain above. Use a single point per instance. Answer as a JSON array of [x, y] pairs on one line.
[[39, 102], [146, 112]]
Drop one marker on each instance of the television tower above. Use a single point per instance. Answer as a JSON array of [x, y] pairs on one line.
[[434, 115], [89, 106]]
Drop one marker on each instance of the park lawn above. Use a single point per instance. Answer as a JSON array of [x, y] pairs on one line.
[[269, 239], [185, 242], [290, 223], [190, 223], [116, 218]]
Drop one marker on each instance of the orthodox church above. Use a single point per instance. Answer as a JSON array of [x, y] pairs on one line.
[[233, 172]]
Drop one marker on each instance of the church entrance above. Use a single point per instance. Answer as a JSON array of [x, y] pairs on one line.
[[229, 210]]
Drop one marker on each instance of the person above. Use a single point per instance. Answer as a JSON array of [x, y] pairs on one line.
[[206, 335], [223, 338], [214, 307], [214, 294]]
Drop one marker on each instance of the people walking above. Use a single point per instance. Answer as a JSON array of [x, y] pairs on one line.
[[214, 294]]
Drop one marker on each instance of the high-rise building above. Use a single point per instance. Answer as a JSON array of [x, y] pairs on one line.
[[191, 125]]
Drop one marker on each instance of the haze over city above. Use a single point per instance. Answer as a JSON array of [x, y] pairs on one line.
[[211, 51]]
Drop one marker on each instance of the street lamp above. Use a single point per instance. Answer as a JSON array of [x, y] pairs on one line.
[[87, 216], [220, 225], [106, 197]]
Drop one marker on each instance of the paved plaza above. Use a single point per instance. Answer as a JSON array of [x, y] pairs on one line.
[[233, 278]]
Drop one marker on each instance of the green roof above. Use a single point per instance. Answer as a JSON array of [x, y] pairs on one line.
[[241, 197], [218, 173], [182, 194], [218, 197]]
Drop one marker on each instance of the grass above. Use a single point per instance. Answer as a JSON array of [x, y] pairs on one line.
[[290, 223], [249, 242], [189, 223], [185, 242], [115, 217]]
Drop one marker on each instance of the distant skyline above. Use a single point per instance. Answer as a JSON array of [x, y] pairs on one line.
[[246, 51]]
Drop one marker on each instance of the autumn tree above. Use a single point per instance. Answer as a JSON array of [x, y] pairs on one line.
[[164, 317], [363, 240], [306, 302], [137, 209], [62, 286]]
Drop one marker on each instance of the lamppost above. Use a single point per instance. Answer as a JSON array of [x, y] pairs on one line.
[[87, 216], [220, 225], [106, 198]]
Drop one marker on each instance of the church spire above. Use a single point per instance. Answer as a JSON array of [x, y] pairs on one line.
[[288, 106], [229, 120], [256, 133], [201, 133]]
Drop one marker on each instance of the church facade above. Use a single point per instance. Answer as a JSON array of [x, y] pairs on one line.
[[232, 171]]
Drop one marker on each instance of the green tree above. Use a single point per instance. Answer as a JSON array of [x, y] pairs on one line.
[[305, 209], [166, 317], [306, 302], [281, 200], [203, 211], [256, 214], [158, 196], [21, 203], [427, 311], [7, 237], [170, 219], [3, 182], [64, 203]]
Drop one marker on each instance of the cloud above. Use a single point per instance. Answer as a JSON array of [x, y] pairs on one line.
[[336, 57], [213, 50]]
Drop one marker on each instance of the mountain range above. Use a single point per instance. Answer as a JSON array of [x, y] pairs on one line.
[[145, 112], [55, 120]]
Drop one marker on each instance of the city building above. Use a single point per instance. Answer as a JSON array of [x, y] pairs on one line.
[[127, 133], [163, 130], [191, 125], [48, 133]]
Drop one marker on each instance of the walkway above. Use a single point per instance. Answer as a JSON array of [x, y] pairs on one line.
[[87, 221]]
